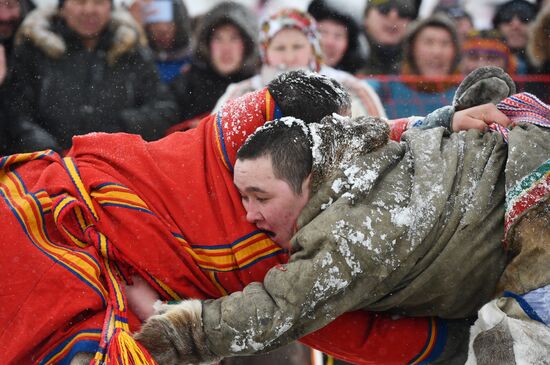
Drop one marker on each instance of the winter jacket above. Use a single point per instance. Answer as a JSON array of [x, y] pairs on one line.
[[539, 56], [401, 99], [200, 85], [171, 61], [382, 60], [412, 94], [59, 89], [364, 100], [7, 43], [414, 228], [4, 132]]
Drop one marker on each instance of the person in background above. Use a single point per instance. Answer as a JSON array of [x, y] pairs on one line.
[[168, 30], [538, 51], [486, 48], [288, 41], [80, 68], [430, 64], [225, 51], [343, 44], [512, 19], [12, 13], [462, 19], [385, 23], [541, 4]]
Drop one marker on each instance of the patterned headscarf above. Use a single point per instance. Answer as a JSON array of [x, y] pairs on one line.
[[293, 19]]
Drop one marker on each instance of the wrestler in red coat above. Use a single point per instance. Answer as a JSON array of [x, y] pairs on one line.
[[74, 230]]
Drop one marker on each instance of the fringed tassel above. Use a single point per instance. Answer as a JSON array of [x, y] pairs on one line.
[[124, 350]]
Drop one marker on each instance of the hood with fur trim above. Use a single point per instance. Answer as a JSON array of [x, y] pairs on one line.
[[437, 20], [538, 47], [37, 28], [237, 15], [336, 10]]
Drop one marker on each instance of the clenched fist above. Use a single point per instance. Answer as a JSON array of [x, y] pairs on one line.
[[174, 335]]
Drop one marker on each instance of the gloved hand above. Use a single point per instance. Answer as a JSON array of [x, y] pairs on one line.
[[484, 85], [174, 335]]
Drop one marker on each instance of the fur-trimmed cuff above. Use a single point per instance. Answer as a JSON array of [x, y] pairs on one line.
[[175, 335], [442, 117]]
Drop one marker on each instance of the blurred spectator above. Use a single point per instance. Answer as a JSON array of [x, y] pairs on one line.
[[429, 73], [81, 68], [385, 23], [486, 48], [541, 4], [289, 40], [461, 18], [4, 136], [538, 50], [344, 46], [225, 51], [168, 30], [512, 20], [12, 13]]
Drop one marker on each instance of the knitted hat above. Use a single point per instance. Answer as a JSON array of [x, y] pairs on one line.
[[489, 42], [291, 19]]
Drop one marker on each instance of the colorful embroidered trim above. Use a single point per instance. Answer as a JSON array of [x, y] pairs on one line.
[[237, 255], [531, 190], [435, 344]]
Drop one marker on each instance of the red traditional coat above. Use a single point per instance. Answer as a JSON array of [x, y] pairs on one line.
[[75, 228]]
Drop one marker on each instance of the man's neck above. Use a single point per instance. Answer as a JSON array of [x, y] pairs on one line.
[[90, 43]]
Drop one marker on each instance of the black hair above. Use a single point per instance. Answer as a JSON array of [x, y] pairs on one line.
[[288, 145], [521, 8], [308, 96]]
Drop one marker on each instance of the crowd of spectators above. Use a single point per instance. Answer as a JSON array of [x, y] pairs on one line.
[[152, 67]]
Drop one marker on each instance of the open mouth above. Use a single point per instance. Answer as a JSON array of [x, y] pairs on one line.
[[270, 234]]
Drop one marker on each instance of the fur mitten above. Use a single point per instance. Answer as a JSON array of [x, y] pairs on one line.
[[175, 334], [484, 85]]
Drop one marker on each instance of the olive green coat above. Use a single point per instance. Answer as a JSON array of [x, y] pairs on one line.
[[414, 228]]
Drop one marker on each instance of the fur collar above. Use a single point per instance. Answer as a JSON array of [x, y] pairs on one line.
[[37, 28]]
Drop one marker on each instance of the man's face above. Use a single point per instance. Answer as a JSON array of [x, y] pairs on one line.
[[387, 25], [433, 51], [227, 49], [88, 18], [10, 14], [270, 203], [515, 31], [334, 40], [162, 34]]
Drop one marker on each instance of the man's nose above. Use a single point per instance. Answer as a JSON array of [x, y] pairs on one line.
[[253, 215]]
